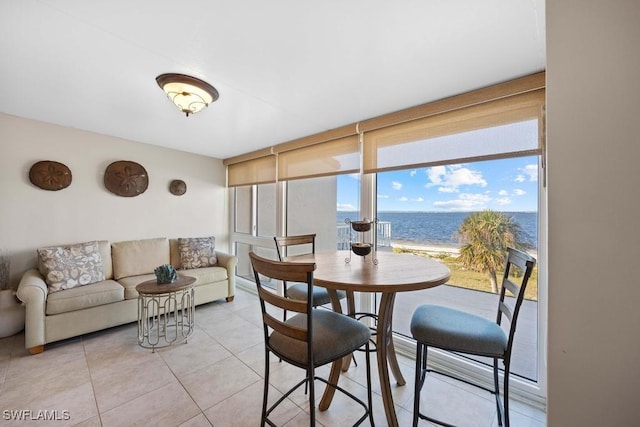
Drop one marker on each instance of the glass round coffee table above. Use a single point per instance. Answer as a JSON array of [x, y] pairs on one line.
[[166, 312]]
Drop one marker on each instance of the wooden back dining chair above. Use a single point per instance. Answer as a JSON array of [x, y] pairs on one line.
[[298, 291], [453, 330], [309, 339]]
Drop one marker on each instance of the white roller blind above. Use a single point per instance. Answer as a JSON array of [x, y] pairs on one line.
[[506, 126], [255, 171], [327, 158]]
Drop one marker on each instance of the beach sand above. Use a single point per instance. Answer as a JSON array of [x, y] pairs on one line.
[[431, 249], [436, 249]]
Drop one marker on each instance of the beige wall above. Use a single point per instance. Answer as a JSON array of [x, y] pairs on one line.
[[31, 217], [593, 111]]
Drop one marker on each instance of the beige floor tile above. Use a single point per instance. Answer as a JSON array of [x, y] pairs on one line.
[[236, 341], [243, 300], [442, 400], [68, 405], [254, 358], [212, 313], [200, 351], [245, 408], [215, 383], [198, 421], [91, 422], [45, 364], [520, 420], [28, 389], [252, 314], [124, 383], [119, 337], [119, 357], [166, 406]]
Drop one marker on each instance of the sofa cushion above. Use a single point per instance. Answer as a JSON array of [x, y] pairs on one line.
[[206, 275], [104, 246], [92, 295], [129, 284], [66, 267], [197, 252], [136, 257], [174, 255]]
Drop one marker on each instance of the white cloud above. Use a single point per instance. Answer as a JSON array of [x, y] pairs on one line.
[[503, 193], [345, 207], [453, 176], [519, 192], [448, 190], [465, 201], [419, 200], [403, 199], [503, 201], [396, 185], [434, 174], [413, 172], [529, 172], [383, 196]]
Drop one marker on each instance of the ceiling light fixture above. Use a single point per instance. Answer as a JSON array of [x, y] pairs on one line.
[[188, 93]]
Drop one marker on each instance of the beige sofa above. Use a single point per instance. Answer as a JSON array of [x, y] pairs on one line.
[[54, 316]]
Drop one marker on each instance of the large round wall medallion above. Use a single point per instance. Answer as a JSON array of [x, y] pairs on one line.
[[126, 179], [178, 187], [49, 175]]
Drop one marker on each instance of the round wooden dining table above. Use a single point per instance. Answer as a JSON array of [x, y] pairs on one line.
[[392, 273]]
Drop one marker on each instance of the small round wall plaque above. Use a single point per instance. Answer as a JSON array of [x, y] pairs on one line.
[[126, 179], [49, 175], [178, 187]]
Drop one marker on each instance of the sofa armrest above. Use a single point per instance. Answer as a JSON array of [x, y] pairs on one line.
[[229, 262], [33, 291]]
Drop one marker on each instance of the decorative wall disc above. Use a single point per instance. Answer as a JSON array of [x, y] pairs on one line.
[[126, 179], [178, 187], [49, 175]]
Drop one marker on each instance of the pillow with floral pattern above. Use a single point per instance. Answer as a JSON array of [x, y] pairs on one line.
[[66, 267], [197, 252]]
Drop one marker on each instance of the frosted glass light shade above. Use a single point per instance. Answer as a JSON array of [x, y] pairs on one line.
[[189, 94]]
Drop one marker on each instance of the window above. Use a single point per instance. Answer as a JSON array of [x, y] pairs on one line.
[[254, 216], [424, 208], [421, 172]]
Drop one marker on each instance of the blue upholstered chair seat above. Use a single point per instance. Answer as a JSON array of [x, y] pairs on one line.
[[455, 330], [320, 296], [334, 335]]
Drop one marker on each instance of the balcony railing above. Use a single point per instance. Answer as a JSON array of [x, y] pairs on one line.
[[383, 230]]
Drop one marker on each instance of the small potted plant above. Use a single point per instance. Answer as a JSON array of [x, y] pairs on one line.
[[11, 311]]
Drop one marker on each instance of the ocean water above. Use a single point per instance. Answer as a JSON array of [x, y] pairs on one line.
[[439, 228]]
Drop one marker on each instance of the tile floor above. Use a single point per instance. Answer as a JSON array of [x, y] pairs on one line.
[[106, 379]]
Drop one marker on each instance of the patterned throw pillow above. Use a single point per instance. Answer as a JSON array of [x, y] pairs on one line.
[[197, 252], [65, 267]]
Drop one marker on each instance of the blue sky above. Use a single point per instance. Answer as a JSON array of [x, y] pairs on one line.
[[503, 185]]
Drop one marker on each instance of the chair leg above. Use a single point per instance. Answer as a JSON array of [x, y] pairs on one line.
[[421, 364], [369, 395], [265, 393], [312, 396], [500, 409], [505, 395]]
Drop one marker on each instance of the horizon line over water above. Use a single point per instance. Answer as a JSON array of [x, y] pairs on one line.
[[439, 228]]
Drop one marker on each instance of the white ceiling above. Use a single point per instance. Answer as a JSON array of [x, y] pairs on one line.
[[284, 68]]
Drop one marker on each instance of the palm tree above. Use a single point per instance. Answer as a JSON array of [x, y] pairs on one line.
[[485, 236]]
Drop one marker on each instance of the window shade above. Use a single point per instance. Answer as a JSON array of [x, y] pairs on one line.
[[261, 170], [471, 133], [327, 158]]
